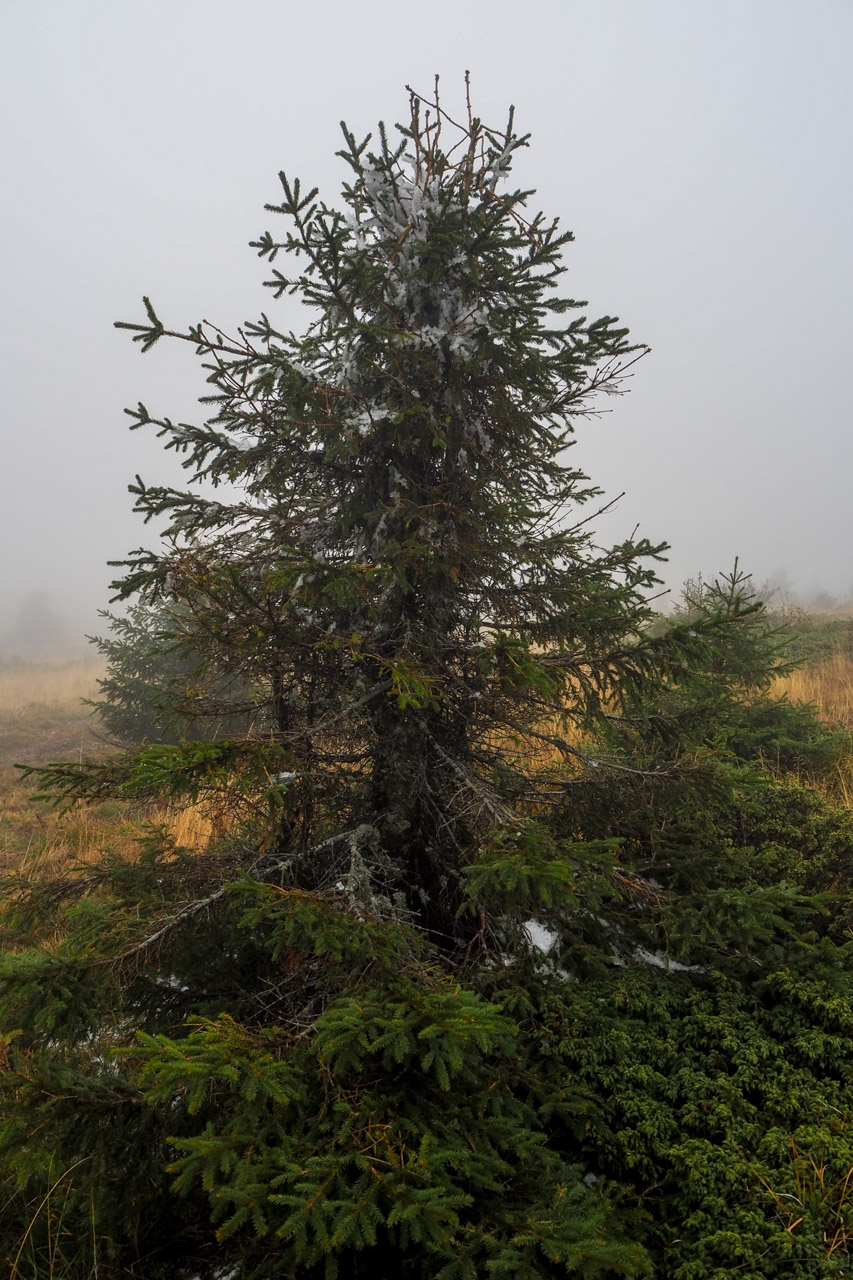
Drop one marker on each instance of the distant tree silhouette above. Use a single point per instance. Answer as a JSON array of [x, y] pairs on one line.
[[37, 631]]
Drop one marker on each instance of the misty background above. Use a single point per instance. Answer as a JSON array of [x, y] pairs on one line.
[[700, 152]]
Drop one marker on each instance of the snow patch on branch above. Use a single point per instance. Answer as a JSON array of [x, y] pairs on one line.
[[542, 937], [660, 960], [398, 205]]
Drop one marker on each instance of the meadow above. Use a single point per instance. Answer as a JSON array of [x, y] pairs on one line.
[[44, 717]]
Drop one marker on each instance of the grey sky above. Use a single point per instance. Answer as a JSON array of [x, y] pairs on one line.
[[699, 149]]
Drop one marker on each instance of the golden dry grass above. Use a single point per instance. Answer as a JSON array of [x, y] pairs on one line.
[[40, 841], [43, 718], [57, 686], [828, 685]]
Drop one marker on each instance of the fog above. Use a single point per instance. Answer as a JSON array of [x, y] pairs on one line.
[[700, 152]]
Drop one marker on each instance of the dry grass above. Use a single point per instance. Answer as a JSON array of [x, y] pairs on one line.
[[55, 686], [42, 718], [828, 685], [39, 841]]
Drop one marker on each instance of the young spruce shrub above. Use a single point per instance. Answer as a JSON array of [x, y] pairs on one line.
[[157, 687]]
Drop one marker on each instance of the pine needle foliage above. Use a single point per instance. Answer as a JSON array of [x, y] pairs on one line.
[[157, 687], [513, 960]]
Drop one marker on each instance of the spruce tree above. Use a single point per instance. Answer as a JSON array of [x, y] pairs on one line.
[[157, 687], [487, 830], [408, 574], [408, 581]]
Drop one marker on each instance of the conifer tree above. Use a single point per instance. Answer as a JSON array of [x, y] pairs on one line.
[[157, 688], [408, 576], [408, 581]]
